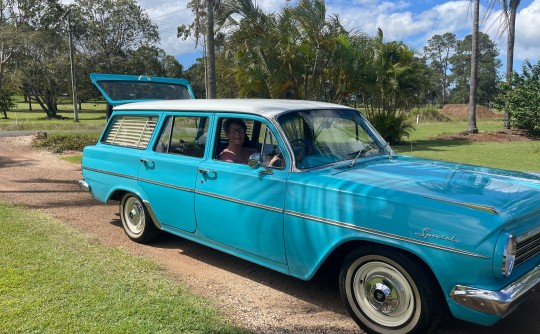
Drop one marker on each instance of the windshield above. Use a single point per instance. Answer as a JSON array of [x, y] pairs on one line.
[[320, 137]]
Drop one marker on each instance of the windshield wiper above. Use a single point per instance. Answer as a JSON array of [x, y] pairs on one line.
[[388, 150], [358, 155]]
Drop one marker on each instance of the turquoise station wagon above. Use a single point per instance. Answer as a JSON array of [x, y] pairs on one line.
[[293, 185]]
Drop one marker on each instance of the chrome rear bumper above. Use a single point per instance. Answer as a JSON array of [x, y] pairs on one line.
[[84, 185], [501, 302]]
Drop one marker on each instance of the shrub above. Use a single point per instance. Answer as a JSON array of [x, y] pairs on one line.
[[431, 114], [522, 98], [66, 142], [393, 127]]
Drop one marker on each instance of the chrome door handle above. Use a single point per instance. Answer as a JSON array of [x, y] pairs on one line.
[[146, 161], [205, 171]]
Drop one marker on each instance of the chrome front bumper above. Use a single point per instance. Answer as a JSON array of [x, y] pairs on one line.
[[84, 185], [501, 302]]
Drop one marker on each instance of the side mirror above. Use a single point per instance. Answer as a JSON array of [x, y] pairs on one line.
[[255, 162]]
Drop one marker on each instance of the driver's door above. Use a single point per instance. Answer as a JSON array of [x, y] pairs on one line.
[[240, 208]]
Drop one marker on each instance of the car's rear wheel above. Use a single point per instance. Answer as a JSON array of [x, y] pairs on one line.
[[136, 221], [386, 291]]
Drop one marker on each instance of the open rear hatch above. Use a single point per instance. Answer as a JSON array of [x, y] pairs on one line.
[[120, 89]]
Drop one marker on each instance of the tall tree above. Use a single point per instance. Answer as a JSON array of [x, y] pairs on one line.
[[42, 60], [107, 30], [488, 65], [471, 126], [439, 50], [206, 26], [210, 50], [510, 13]]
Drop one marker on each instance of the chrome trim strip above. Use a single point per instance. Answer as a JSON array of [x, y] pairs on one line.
[[383, 234], [497, 302], [110, 173], [151, 213], [189, 190], [225, 198], [480, 207]]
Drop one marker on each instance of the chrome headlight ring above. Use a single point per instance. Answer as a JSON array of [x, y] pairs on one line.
[[509, 255]]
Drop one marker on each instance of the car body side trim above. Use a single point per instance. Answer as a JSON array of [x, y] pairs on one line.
[[382, 234], [304, 216], [480, 207], [110, 173], [234, 200]]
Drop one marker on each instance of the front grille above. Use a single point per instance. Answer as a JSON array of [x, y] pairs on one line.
[[527, 247]]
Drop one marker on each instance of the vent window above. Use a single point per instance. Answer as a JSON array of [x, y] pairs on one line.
[[131, 131]]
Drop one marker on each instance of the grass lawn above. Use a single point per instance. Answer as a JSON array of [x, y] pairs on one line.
[[55, 280], [522, 155]]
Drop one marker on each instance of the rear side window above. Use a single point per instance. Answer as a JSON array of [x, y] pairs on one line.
[[131, 131], [184, 135]]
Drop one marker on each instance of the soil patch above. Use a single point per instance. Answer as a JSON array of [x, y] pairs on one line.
[[462, 111], [510, 135]]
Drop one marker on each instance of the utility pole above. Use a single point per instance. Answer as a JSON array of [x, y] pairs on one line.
[[72, 63]]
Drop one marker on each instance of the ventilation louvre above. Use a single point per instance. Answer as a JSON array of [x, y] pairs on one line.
[[131, 131]]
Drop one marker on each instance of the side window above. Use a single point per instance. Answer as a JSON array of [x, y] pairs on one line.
[[131, 131], [185, 135], [236, 140], [270, 150]]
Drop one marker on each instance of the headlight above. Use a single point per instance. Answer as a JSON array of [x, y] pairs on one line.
[[509, 255]]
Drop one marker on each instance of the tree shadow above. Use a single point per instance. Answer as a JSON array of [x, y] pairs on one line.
[[6, 162], [430, 145]]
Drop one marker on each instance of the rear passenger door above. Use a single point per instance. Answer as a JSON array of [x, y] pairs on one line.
[[167, 175]]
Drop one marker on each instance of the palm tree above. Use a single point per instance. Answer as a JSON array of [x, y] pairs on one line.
[[510, 11], [474, 70], [210, 50]]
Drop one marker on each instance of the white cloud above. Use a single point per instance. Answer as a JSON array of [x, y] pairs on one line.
[[527, 45]]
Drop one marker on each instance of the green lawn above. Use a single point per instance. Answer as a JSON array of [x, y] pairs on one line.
[[55, 280], [523, 156]]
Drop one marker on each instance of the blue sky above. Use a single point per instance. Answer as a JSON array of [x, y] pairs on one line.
[[413, 22]]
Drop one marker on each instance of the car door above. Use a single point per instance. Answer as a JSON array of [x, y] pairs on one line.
[[242, 208], [167, 175]]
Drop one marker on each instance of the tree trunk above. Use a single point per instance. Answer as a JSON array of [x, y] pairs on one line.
[[510, 51], [474, 70], [211, 63]]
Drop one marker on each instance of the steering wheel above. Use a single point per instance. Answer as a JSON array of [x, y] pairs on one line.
[[300, 148]]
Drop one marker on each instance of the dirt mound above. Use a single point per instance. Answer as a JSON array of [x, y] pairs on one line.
[[462, 110]]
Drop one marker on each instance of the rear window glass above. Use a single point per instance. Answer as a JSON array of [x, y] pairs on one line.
[[141, 90], [131, 131]]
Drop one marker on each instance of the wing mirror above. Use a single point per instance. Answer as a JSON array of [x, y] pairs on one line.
[[255, 162]]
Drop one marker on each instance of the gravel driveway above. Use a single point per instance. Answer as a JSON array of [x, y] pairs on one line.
[[251, 296]]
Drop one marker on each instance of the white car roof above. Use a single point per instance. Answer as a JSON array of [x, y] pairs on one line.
[[264, 107]]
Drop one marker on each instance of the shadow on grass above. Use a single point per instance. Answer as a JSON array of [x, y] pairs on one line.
[[429, 145]]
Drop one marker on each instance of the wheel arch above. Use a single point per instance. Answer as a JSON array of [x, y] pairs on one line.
[[116, 196], [336, 258]]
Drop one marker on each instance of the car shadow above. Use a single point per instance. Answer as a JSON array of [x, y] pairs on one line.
[[323, 291]]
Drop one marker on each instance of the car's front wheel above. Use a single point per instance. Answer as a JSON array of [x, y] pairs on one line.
[[387, 292], [136, 222]]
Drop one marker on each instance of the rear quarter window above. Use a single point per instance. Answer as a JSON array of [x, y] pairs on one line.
[[131, 131]]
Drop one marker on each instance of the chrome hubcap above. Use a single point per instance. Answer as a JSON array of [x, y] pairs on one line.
[[134, 215], [383, 294]]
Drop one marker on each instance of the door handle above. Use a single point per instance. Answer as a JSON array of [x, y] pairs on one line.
[[146, 161], [205, 171]]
